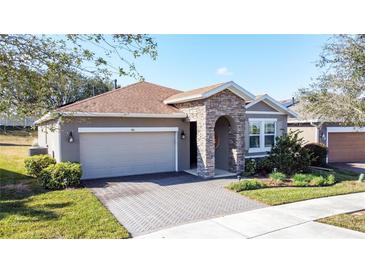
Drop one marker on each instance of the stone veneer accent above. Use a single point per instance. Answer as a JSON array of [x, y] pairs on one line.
[[206, 112]]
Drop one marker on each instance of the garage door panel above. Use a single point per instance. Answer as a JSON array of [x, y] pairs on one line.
[[346, 147], [125, 153]]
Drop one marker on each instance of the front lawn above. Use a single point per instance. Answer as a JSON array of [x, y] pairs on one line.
[[284, 195], [29, 211], [352, 221], [346, 183]]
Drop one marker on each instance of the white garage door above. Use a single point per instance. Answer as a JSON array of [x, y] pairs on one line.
[[111, 154]]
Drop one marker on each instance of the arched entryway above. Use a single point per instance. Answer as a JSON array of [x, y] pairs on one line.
[[224, 143]]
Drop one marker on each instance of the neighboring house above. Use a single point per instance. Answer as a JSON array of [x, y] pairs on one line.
[[147, 128], [345, 144]]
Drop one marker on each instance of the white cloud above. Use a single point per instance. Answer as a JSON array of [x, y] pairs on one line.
[[224, 71]]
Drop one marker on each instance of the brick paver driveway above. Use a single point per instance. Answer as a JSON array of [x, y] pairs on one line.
[[146, 203]]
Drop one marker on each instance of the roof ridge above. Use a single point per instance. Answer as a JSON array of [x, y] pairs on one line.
[[99, 95], [160, 86]]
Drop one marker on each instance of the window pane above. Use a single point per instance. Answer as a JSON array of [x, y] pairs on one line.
[[269, 128], [269, 140], [254, 128], [254, 141]]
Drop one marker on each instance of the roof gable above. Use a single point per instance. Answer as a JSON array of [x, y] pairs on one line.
[[262, 106], [205, 92], [270, 102]]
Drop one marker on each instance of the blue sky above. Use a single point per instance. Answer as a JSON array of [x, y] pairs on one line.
[[274, 64]]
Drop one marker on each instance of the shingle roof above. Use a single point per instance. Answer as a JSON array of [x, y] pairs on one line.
[[194, 92], [141, 97]]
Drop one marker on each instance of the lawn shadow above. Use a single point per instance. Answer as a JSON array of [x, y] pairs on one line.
[[11, 177], [20, 207], [59, 205], [14, 145]]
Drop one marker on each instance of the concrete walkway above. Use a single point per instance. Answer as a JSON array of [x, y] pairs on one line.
[[295, 220]]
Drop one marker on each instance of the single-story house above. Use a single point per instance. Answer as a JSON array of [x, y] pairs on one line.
[[344, 143], [147, 128]]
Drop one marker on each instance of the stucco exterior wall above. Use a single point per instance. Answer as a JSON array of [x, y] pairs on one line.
[[308, 132], [71, 151], [49, 137], [281, 128]]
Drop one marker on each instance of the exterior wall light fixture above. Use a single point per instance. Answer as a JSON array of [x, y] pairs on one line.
[[70, 138], [182, 135]]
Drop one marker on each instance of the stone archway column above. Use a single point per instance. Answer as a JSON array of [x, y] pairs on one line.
[[236, 147], [239, 152], [205, 146]]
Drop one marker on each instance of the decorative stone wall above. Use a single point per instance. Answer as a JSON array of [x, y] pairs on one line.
[[206, 112]]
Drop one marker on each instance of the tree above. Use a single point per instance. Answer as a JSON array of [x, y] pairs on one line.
[[338, 93], [39, 72]]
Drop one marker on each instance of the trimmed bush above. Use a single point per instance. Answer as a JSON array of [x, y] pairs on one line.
[[61, 175], [319, 153], [248, 184], [35, 164], [250, 167], [277, 176], [264, 166]]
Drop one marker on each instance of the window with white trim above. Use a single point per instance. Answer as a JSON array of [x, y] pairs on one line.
[[262, 134]]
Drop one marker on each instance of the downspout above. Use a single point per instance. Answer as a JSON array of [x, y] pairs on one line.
[[316, 133], [59, 141]]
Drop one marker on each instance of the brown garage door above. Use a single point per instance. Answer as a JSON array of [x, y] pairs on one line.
[[346, 147]]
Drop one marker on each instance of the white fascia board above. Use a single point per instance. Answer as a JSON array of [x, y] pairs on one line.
[[126, 129], [44, 118], [265, 112], [303, 121], [256, 156], [232, 86], [124, 114], [345, 129], [273, 103], [262, 119], [184, 99], [236, 89]]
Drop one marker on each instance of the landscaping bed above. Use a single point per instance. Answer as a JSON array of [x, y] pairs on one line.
[[27, 210], [276, 192], [287, 175]]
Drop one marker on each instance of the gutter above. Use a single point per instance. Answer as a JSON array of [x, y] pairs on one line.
[[55, 115]]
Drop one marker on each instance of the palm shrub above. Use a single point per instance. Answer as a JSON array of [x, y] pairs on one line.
[[248, 184], [277, 176], [288, 154], [35, 164]]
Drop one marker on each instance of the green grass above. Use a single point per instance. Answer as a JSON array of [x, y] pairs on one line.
[[29, 211], [346, 221], [282, 195]]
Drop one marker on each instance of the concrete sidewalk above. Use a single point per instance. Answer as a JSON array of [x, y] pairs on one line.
[[295, 220]]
